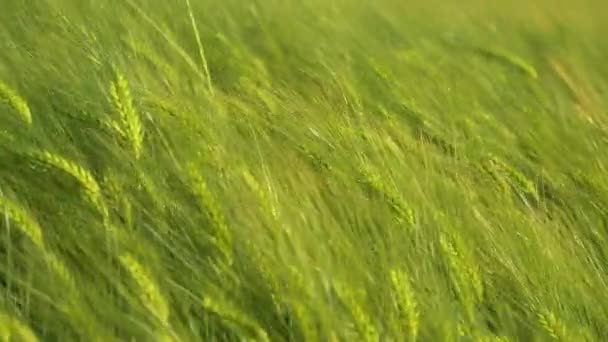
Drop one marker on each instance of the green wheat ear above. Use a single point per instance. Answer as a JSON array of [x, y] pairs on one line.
[[231, 314], [222, 237], [371, 178], [553, 326], [149, 291], [406, 301], [11, 329], [264, 199], [506, 174], [28, 226], [464, 274], [83, 176], [130, 126], [11, 98], [363, 322]]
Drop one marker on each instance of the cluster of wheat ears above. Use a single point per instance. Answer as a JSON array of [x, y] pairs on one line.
[[128, 128], [179, 228]]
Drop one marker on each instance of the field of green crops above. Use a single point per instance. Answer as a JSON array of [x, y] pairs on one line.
[[314, 170]]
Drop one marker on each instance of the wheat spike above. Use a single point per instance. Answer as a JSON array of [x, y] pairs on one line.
[[130, 122], [464, 275], [5, 332], [165, 68], [165, 337], [406, 301], [32, 230], [513, 60], [403, 213], [553, 326], [231, 314], [12, 329], [11, 98], [499, 169], [29, 227], [83, 176], [364, 324], [221, 234], [303, 316], [265, 200], [150, 294], [59, 268]]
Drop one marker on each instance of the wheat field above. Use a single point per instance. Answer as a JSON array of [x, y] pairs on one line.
[[340, 170]]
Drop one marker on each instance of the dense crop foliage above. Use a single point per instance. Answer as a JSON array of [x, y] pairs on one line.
[[339, 170]]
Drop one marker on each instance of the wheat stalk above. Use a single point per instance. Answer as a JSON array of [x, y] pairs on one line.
[[493, 338], [170, 40], [201, 50]]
